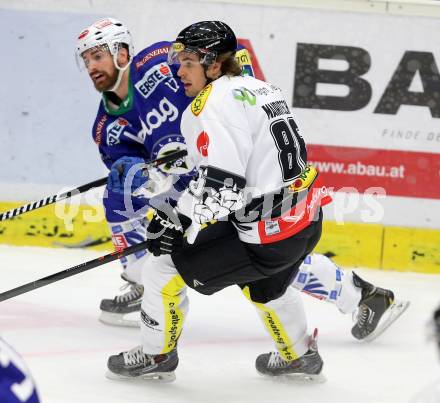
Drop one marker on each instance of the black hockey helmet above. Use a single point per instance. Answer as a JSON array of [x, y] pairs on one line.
[[206, 38]]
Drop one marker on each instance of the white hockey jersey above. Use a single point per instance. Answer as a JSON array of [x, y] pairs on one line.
[[246, 144]]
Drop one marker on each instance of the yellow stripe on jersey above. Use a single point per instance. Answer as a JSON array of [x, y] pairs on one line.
[[173, 314], [199, 101], [275, 328]]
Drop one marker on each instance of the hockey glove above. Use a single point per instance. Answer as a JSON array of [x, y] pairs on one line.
[[165, 231], [127, 175]]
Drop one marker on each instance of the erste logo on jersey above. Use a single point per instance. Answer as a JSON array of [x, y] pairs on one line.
[[203, 143], [166, 111], [152, 78], [200, 100], [119, 242], [114, 131]]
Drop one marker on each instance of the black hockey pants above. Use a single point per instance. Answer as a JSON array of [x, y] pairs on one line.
[[219, 259]]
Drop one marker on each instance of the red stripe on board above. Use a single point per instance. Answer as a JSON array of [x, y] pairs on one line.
[[400, 173]]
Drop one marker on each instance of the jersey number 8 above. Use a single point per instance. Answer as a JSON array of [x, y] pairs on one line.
[[291, 147]]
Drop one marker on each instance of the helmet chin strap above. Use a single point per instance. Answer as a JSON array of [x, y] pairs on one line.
[[121, 71]]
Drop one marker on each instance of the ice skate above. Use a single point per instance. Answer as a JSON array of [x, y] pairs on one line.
[[135, 364], [305, 368], [123, 310], [377, 310]]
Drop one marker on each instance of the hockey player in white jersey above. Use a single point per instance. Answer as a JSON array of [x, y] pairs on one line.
[[243, 139], [348, 291]]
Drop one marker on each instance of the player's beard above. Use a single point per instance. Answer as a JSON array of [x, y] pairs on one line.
[[108, 82]]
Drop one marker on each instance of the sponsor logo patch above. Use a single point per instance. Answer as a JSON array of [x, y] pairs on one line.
[[304, 180], [150, 55], [152, 78], [165, 111], [99, 127], [271, 227], [83, 34], [114, 131], [244, 95], [199, 101], [244, 60], [119, 242], [203, 143], [243, 57]]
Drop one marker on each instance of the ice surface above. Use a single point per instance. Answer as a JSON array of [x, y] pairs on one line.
[[56, 329]]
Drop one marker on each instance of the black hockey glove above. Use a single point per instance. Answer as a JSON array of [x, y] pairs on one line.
[[165, 231]]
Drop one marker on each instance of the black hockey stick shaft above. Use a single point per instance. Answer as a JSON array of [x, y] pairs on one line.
[[71, 271], [81, 189]]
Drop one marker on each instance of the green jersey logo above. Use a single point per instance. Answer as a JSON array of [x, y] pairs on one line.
[[244, 95]]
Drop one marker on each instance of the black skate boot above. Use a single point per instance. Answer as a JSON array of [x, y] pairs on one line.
[[375, 302], [116, 311], [135, 364], [307, 367]]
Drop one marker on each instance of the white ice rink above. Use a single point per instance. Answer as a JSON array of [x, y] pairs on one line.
[[56, 329]]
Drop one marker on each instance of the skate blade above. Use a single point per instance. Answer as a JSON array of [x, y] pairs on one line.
[[155, 376], [396, 309], [296, 378], [118, 319]]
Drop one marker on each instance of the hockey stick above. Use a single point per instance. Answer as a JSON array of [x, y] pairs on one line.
[[71, 271], [84, 188]]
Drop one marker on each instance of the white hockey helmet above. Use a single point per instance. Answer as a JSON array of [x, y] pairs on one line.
[[108, 31]]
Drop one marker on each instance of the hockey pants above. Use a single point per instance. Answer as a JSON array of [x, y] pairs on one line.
[[165, 306]]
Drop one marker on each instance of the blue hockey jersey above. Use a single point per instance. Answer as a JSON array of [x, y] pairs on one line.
[[148, 120], [16, 383]]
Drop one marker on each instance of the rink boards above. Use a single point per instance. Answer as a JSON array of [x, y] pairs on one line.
[[361, 79], [350, 244]]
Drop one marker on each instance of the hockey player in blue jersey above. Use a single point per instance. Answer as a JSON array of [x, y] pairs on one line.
[[105, 50], [16, 382]]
